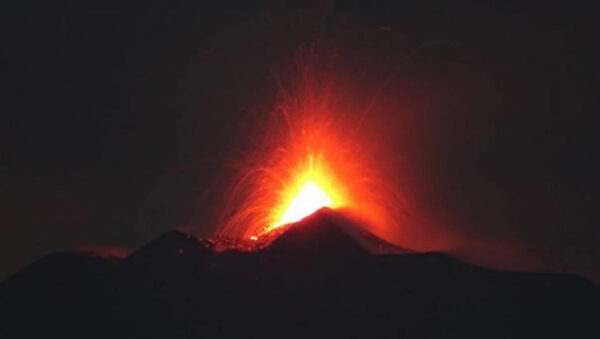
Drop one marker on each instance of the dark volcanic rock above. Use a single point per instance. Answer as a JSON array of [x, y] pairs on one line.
[[316, 236], [171, 253], [315, 280], [169, 245], [332, 234]]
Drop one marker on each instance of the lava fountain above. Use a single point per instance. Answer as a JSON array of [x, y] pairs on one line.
[[313, 150]]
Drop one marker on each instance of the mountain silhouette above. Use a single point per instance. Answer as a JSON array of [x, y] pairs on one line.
[[319, 278]]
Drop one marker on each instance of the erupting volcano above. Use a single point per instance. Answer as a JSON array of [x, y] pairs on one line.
[[307, 248], [314, 149], [299, 169]]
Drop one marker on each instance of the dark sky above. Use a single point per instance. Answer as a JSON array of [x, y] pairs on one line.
[[118, 116]]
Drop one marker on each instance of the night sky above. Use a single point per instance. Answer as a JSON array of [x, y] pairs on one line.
[[119, 118]]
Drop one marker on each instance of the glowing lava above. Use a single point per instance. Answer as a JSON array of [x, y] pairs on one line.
[[314, 149], [311, 187], [309, 199]]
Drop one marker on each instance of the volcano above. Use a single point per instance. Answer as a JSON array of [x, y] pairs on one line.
[[320, 278]]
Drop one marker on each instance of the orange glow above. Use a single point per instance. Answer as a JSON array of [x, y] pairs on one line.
[[313, 150], [309, 199], [312, 190], [293, 185]]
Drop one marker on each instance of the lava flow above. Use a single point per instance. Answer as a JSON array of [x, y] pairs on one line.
[[312, 151]]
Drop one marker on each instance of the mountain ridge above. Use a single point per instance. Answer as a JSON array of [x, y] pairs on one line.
[[314, 280]]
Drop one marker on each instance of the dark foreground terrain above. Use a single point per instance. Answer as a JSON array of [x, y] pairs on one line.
[[313, 281]]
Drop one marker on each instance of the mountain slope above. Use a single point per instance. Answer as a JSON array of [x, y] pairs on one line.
[[315, 280]]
